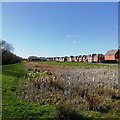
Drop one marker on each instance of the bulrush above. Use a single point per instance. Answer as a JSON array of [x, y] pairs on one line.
[[86, 88]]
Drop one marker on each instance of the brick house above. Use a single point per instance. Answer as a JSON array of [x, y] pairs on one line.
[[112, 55], [75, 59], [79, 58], [56, 59], [98, 58], [71, 59], [84, 58], [66, 59], [89, 58], [61, 59], [35, 58]]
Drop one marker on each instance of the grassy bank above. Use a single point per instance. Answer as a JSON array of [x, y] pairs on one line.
[[14, 108]]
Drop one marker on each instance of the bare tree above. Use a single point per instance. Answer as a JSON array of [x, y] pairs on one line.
[[6, 46], [8, 57]]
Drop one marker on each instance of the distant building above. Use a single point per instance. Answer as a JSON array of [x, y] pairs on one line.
[[80, 58], [112, 55], [43, 59], [61, 59], [71, 59], [89, 58], [76, 58], [57, 59], [84, 58], [50, 59], [98, 58], [35, 58], [66, 59]]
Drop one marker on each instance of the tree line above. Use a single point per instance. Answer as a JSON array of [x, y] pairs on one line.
[[8, 57]]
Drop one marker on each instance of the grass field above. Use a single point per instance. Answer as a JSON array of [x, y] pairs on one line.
[[15, 108], [80, 64]]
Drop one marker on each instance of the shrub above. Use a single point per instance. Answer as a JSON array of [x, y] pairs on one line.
[[67, 111]]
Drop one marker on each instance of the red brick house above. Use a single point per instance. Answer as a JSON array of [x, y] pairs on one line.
[[98, 58], [112, 55], [56, 59], [66, 59], [71, 58], [89, 58], [61, 59], [80, 58], [76, 58], [84, 58]]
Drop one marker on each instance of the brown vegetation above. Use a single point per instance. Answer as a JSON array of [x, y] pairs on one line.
[[87, 89]]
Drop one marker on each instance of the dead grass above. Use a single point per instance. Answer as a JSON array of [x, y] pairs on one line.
[[51, 85]]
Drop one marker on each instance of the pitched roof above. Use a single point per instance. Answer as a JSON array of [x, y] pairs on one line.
[[89, 55], [98, 55], [111, 52]]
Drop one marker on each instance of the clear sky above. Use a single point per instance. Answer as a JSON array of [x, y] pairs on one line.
[[60, 29]]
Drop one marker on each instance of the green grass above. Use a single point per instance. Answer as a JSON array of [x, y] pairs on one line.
[[80, 64], [15, 109]]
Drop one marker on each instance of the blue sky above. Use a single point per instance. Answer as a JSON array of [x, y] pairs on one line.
[[60, 29]]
